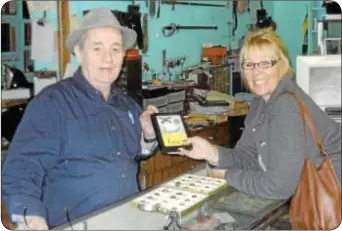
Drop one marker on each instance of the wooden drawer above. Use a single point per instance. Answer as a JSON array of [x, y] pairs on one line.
[[222, 134], [206, 133], [175, 159], [161, 161], [148, 165]]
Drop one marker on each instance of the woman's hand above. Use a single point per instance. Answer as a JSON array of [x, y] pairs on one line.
[[200, 149]]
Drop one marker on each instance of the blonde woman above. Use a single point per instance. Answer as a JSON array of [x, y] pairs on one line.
[[268, 159]]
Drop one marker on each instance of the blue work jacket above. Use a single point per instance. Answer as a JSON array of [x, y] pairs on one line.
[[73, 151]]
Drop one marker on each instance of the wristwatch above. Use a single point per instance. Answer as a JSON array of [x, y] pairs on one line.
[[149, 140]]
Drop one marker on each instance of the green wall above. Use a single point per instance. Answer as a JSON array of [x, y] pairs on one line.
[[288, 15]]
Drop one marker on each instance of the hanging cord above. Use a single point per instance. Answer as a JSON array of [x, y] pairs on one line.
[[67, 215], [235, 16], [24, 215]]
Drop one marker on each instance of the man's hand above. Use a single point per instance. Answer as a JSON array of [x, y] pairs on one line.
[[146, 124], [32, 223]]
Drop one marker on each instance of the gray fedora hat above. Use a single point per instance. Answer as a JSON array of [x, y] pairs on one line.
[[100, 17]]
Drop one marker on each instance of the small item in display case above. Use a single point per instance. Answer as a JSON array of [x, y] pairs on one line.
[[164, 200], [245, 204], [197, 184], [202, 223], [171, 131]]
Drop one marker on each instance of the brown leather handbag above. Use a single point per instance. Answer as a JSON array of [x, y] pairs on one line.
[[316, 203]]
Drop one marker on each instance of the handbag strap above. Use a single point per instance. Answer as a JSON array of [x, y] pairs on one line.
[[308, 121]]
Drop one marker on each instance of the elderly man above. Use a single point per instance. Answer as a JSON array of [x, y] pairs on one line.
[[74, 151]]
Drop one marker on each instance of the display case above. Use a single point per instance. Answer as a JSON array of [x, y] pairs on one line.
[[213, 208]]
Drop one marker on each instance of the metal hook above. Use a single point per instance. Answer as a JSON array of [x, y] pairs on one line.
[[169, 30], [42, 20]]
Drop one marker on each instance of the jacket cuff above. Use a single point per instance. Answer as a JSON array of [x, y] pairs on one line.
[[147, 148], [225, 159], [18, 210]]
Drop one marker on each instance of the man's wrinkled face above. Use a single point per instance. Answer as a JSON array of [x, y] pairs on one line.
[[101, 56]]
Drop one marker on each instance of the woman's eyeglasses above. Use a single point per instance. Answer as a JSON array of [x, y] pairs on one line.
[[262, 65]]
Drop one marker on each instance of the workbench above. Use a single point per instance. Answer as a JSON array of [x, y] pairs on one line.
[[124, 216]]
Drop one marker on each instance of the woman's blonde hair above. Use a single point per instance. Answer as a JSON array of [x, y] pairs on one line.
[[267, 39]]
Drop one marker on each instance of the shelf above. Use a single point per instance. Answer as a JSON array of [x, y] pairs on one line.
[[332, 17], [9, 57], [16, 56], [332, 39], [318, 8], [9, 18]]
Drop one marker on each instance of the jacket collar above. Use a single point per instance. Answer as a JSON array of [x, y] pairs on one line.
[[89, 89], [286, 84]]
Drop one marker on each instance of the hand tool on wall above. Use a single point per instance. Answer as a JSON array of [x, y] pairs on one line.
[[152, 7], [235, 18], [230, 35], [145, 34], [164, 62], [132, 19], [170, 29], [173, 3], [227, 3], [158, 11], [263, 20]]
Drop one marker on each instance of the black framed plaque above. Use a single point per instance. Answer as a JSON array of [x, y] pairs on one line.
[[171, 131]]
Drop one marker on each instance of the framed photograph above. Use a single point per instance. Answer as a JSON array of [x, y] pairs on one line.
[[171, 131]]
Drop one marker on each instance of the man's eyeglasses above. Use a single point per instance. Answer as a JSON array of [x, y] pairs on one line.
[[262, 65]]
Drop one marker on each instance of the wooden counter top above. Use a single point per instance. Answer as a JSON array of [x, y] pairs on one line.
[[4, 217]]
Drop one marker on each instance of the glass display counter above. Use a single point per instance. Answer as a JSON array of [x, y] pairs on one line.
[[222, 209]]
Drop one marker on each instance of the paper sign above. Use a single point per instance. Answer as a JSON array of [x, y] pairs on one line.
[[74, 23], [36, 6], [42, 48]]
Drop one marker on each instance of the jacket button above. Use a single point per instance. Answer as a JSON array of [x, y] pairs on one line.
[[113, 128], [262, 144], [118, 153], [123, 175], [253, 129]]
